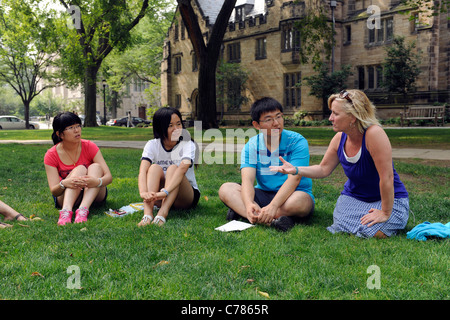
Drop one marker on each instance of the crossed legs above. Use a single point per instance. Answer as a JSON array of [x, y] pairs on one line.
[[299, 204]]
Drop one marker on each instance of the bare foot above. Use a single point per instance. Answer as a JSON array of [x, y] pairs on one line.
[[4, 225], [380, 235], [17, 217]]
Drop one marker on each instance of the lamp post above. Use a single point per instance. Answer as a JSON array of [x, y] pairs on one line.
[[104, 101], [333, 5]]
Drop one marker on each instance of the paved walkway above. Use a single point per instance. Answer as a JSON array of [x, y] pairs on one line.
[[400, 153]]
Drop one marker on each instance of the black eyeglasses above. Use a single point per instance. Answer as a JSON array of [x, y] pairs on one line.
[[345, 95]]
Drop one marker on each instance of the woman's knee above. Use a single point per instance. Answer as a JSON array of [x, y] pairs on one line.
[[80, 170], [95, 169], [155, 173], [155, 168]]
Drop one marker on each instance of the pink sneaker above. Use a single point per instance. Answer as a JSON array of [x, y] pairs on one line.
[[65, 216], [81, 215]]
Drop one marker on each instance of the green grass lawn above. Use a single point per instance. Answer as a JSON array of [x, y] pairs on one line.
[[400, 138], [188, 259]]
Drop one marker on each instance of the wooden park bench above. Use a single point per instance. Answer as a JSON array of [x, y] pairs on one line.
[[436, 113]]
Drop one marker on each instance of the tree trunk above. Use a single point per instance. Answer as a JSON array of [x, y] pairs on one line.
[[207, 99], [325, 110], [405, 102], [208, 56], [26, 104], [90, 96]]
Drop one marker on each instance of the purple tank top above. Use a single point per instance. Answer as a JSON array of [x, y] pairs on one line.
[[363, 180]]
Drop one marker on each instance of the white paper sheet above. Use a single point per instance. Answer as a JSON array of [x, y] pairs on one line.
[[234, 226]]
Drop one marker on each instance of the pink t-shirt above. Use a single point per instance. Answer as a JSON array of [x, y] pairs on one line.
[[88, 152]]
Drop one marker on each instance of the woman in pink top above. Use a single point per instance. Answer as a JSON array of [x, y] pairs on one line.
[[77, 173]]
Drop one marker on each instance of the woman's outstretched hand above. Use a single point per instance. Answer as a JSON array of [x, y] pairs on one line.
[[286, 168]]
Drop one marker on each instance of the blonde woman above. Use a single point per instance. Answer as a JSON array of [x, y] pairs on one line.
[[374, 202]]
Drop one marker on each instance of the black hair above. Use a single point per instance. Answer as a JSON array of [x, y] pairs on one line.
[[61, 121], [264, 105], [161, 121]]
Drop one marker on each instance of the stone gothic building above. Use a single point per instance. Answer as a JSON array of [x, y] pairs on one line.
[[261, 37]]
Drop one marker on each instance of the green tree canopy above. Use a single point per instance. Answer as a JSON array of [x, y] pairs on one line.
[[29, 46], [142, 60], [428, 6], [316, 33], [323, 84], [401, 67], [99, 27]]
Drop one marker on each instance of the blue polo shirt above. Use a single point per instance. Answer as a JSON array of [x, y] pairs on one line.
[[293, 148]]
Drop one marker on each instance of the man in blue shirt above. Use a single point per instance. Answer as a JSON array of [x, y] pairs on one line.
[[277, 200]]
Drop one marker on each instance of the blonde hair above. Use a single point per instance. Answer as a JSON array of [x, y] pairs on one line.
[[360, 107]]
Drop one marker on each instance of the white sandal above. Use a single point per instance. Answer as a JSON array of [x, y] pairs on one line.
[[159, 219], [146, 219]]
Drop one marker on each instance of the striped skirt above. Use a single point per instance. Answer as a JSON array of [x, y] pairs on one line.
[[349, 211]]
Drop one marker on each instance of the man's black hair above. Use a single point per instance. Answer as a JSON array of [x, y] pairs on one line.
[[264, 105]]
